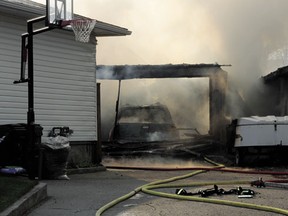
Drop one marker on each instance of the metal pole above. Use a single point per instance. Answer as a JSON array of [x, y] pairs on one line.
[[30, 114], [117, 108], [98, 151], [31, 147]]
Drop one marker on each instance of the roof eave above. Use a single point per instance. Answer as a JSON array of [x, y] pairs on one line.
[[105, 29], [31, 10]]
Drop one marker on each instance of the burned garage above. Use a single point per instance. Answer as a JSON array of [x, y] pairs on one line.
[[216, 79], [239, 136]]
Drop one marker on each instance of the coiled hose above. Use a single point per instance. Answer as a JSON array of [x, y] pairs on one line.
[[148, 188]]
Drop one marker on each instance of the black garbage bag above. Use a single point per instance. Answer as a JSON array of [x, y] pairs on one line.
[[55, 157]]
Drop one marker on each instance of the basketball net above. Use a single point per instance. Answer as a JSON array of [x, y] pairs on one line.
[[82, 29]]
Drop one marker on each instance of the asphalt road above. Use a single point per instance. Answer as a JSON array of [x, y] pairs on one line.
[[84, 194]]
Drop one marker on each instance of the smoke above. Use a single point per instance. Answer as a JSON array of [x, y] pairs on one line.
[[239, 32], [249, 34], [187, 99]]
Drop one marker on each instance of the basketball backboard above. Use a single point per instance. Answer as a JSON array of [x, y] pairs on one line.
[[59, 10]]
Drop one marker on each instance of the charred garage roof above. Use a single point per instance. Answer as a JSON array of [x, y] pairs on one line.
[[122, 72]]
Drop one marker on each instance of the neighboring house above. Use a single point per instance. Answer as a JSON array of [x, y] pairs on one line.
[[277, 82], [64, 75]]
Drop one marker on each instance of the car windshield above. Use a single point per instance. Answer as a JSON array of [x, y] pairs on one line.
[[145, 115]]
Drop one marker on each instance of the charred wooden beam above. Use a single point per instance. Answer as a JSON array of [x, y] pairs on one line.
[[122, 72]]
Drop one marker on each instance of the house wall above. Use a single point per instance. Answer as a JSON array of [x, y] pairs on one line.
[[64, 80], [278, 96], [283, 96]]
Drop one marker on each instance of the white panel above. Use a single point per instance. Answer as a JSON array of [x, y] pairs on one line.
[[282, 135], [64, 75], [262, 131], [255, 135]]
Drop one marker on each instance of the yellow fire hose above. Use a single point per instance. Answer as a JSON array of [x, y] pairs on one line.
[[148, 188]]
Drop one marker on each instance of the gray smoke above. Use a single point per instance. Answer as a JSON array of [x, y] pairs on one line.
[[187, 99], [249, 34]]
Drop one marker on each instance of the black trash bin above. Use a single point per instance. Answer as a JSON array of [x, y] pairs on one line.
[[17, 149]]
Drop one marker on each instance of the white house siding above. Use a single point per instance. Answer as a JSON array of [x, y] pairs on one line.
[[64, 80]]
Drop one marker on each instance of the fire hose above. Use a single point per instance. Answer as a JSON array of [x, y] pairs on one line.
[[149, 189]]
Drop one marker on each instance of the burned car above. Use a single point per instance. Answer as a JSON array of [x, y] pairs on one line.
[[142, 130], [138, 124]]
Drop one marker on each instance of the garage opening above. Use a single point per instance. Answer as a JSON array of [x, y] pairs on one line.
[[216, 76], [187, 100]]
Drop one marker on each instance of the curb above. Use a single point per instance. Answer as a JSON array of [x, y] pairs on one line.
[[26, 202], [39, 193]]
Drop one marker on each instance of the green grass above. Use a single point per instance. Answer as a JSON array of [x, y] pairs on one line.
[[12, 188]]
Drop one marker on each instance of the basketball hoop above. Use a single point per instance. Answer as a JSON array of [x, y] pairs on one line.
[[82, 29]]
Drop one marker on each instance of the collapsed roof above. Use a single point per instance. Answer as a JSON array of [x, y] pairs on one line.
[[122, 72], [279, 73]]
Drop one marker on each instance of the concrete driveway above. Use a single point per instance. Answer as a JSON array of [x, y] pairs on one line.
[[85, 193]]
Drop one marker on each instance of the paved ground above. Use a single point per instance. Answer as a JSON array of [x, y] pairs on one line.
[[84, 194]]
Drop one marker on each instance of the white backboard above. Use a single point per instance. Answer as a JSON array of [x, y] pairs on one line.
[[59, 10]]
